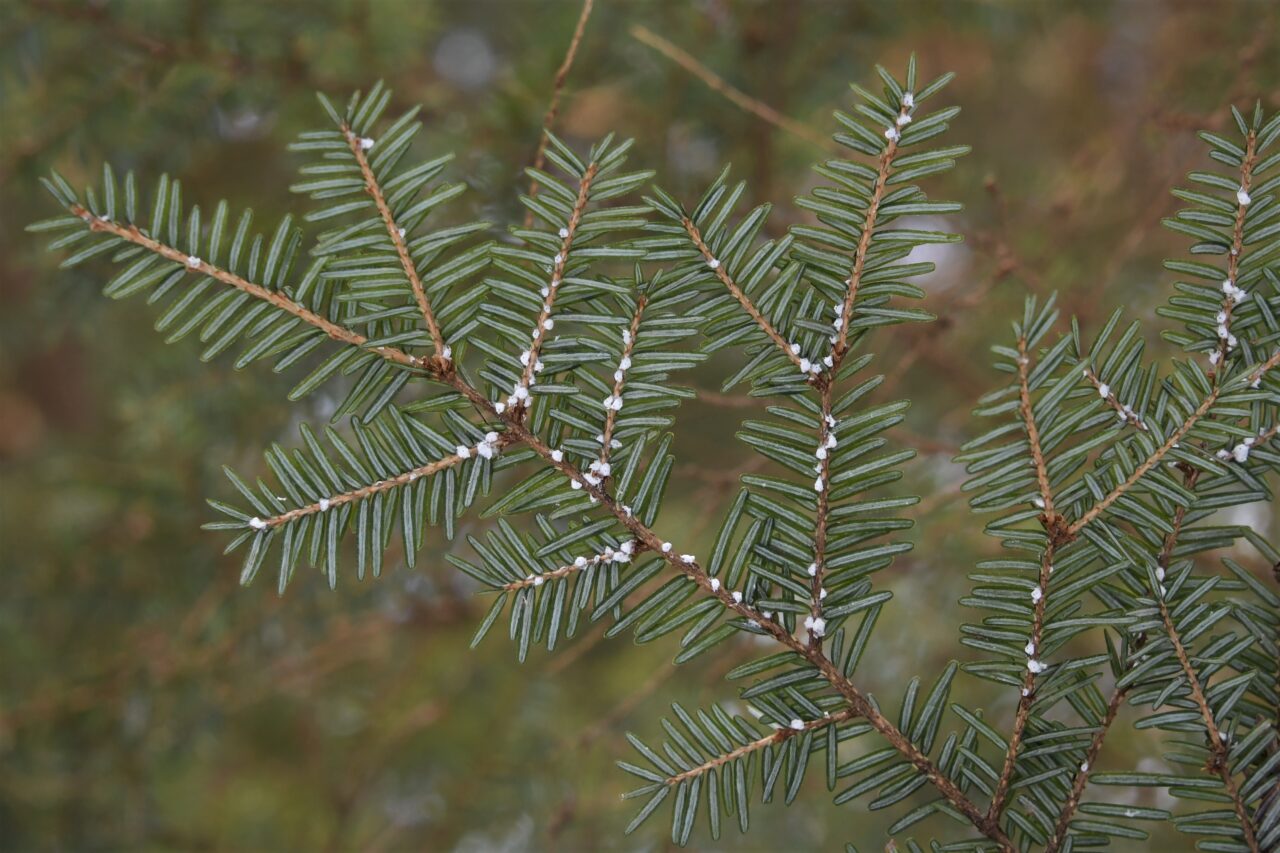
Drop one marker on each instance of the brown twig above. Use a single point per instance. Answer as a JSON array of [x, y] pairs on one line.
[[562, 74], [1126, 413], [1219, 763], [841, 346], [619, 381], [279, 300], [1033, 435], [1027, 698], [371, 186], [747, 305], [1082, 777], [564, 571], [826, 430], [553, 288], [1233, 261], [738, 98], [781, 735], [356, 495]]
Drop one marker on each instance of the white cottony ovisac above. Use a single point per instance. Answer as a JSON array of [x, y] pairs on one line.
[[1104, 390], [557, 456], [908, 100], [737, 597], [1036, 595], [816, 625], [1035, 667], [892, 134], [715, 584], [714, 263], [463, 451], [257, 523], [193, 261], [1242, 196], [797, 725], [686, 558], [564, 232], [666, 547], [365, 143], [324, 504]]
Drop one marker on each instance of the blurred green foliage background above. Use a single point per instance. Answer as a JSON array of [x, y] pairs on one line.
[[146, 702]]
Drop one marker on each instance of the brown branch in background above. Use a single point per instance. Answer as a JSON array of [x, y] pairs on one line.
[[714, 82], [279, 300], [1230, 286], [396, 233], [747, 305], [562, 74], [1126, 413], [782, 735], [1082, 777]]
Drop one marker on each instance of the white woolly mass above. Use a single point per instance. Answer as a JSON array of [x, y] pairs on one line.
[[193, 261], [908, 100], [324, 504], [1036, 595], [737, 597], [715, 584], [666, 547], [892, 134], [714, 263], [1104, 390], [365, 143], [463, 451], [257, 523], [686, 558], [1035, 667], [557, 456], [564, 232], [797, 725], [1242, 196]]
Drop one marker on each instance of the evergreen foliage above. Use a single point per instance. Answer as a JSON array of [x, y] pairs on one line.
[[535, 374]]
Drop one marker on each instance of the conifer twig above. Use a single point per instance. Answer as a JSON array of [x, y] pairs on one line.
[[397, 235], [1124, 410], [133, 234], [687, 565], [816, 624], [539, 578], [619, 381], [1230, 288], [491, 445], [562, 74], [544, 324], [780, 735], [1082, 776], [747, 305], [841, 345]]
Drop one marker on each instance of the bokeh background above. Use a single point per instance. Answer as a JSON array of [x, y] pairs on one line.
[[148, 703]]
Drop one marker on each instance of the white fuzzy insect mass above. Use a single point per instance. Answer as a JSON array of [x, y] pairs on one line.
[[557, 456], [1035, 667], [1036, 595], [324, 504], [365, 143], [715, 584], [908, 100], [1242, 196], [1104, 390], [686, 558], [797, 725], [737, 597], [257, 523], [193, 262], [892, 134], [714, 263], [564, 232], [463, 451]]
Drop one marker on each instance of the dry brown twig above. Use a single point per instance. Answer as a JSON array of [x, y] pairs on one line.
[[562, 74]]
